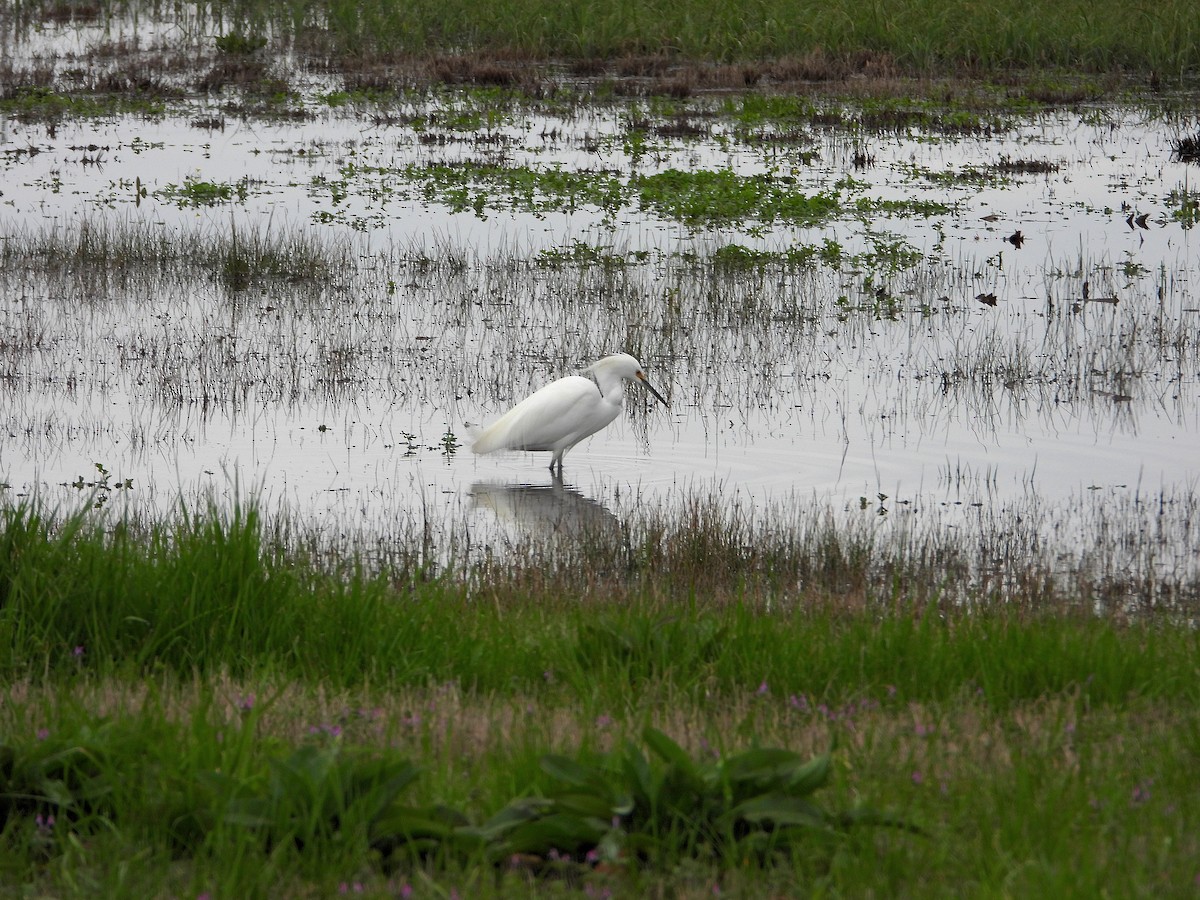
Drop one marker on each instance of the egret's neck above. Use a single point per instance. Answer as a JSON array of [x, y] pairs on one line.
[[611, 387]]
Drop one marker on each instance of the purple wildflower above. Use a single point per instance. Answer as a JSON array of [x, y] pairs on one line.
[[1141, 793]]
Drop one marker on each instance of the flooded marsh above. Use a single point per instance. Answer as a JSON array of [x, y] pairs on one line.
[[936, 324]]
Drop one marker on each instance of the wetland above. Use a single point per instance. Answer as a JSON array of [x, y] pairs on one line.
[[934, 317], [929, 328]]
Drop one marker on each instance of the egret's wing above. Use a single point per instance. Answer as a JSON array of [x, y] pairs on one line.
[[542, 421]]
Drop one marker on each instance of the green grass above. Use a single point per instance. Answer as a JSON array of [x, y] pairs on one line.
[[234, 259], [807, 40], [213, 594], [203, 709], [700, 198], [195, 193], [918, 35], [43, 104]]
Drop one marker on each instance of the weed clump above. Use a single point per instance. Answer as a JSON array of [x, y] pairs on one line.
[[1187, 148]]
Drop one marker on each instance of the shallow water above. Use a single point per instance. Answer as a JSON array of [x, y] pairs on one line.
[[873, 388]]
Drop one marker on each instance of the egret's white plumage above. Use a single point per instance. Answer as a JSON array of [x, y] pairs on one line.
[[564, 412]]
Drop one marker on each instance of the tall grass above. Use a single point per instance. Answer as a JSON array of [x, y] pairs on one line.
[[196, 706], [211, 594], [106, 255], [923, 36], [918, 35]]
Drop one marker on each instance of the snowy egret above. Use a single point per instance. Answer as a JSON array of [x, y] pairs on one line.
[[564, 412]]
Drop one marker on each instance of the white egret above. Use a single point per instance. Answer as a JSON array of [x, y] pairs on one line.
[[564, 412]]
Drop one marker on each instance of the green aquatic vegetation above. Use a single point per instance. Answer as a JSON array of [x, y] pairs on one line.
[[1000, 173], [519, 188], [871, 206], [699, 198], [239, 43], [705, 197], [44, 104], [580, 253], [1059, 88], [888, 255], [967, 175], [467, 109], [196, 192], [928, 115], [752, 110], [467, 120], [94, 249], [802, 256], [370, 97], [1184, 203]]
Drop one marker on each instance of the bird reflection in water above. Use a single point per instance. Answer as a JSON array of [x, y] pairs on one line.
[[553, 510]]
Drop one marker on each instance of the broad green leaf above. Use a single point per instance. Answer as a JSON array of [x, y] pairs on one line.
[[811, 776], [567, 770], [555, 832], [409, 824], [764, 770], [517, 812], [636, 769], [669, 751], [778, 809], [584, 804]]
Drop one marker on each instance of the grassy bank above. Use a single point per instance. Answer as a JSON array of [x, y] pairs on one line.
[[196, 709], [916, 35], [772, 39]]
